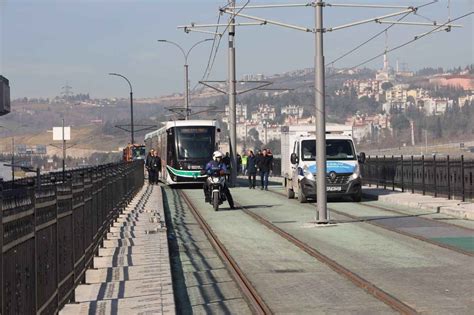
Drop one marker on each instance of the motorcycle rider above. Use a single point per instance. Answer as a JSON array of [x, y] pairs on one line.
[[217, 165]]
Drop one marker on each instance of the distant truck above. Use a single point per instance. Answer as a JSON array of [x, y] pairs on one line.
[[4, 96], [133, 152], [299, 162]]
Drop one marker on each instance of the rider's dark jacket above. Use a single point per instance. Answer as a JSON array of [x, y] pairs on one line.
[[214, 167]]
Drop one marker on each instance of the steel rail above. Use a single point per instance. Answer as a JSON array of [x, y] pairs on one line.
[[249, 292], [366, 285], [398, 231]]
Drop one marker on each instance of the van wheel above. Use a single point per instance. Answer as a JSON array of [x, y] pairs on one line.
[[357, 197], [290, 193], [301, 196]]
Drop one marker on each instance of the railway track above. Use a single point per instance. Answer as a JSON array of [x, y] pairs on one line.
[[398, 231], [252, 295], [249, 292]]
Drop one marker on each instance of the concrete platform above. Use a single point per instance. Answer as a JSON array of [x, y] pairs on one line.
[[455, 208], [132, 274]]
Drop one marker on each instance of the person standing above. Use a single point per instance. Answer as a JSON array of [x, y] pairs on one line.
[[265, 166], [239, 164], [258, 157], [149, 165], [156, 167], [226, 161], [244, 163], [252, 169]]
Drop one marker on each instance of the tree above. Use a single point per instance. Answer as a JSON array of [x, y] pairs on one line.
[[387, 85], [254, 139], [275, 146]]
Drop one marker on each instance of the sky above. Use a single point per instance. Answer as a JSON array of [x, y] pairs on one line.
[[46, 44]]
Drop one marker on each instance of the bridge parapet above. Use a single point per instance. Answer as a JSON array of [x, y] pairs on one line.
[[50, 229], [434, 175]]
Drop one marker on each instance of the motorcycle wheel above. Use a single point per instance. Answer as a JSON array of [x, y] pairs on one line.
[[215, 201]]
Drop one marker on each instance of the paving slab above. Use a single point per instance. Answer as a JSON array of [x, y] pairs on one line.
[[132, 273]]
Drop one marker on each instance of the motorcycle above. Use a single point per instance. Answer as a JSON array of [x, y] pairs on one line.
[[216, 183]]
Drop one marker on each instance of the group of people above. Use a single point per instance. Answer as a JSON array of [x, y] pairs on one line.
[[260, 163], [251, 165], [153, 166]]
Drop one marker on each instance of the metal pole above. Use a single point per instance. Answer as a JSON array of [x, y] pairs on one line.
[[434, 176], [186, 90], [423, 173], [322, 217], [131, 116], [13, 161], [449, 177], [64, 153], [131, 104], [232, 97], [462, 179]]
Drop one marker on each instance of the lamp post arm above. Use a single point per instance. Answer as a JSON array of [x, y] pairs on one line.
[[175, 44], [122, 76], [189, 51]]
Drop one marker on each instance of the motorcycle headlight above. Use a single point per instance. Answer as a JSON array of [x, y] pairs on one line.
[[356, 173]]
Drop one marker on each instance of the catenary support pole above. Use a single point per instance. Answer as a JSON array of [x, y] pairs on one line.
[[64, 151], [132, 129], [232, 96], [322, 215]]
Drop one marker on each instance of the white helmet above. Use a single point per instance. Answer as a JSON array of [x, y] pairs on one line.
[[217, 154]]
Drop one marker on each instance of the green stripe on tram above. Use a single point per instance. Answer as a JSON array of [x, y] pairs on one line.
[[183, 173]]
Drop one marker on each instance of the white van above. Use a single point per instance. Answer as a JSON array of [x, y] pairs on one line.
[[343, 172]]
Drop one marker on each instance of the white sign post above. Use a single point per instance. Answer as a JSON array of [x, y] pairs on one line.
[[58, 133], [62, 134]]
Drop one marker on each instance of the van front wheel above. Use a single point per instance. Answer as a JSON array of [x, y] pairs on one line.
[[357, 197]]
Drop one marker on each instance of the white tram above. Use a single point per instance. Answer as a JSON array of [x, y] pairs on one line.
[[184, 146]]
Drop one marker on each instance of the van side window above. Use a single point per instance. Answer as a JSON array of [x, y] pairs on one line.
[[294, 148]]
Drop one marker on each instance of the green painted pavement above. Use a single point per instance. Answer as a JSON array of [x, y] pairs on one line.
[[466, 243], [429, 278], [289, 280]]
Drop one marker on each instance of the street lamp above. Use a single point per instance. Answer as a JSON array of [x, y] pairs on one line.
[[131, 103], [186, 68]]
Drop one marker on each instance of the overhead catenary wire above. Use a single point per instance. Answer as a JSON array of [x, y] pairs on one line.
[[210, 65], [415, 38], [366, 41]]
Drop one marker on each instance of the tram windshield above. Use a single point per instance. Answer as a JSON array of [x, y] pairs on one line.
[[195, 142]]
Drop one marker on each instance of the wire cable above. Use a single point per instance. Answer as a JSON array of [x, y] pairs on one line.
[[412, 40], [379, 33]]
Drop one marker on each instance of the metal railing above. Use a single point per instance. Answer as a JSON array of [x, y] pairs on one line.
[[52, 226], [438, 176]]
